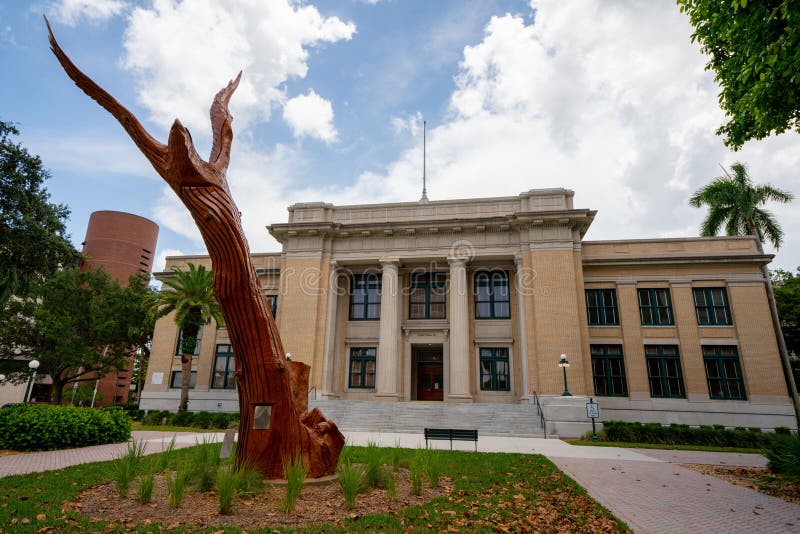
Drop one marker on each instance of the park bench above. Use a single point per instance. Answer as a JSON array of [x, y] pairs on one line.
[[450, 434]]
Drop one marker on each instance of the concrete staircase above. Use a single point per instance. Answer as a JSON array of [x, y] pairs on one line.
[[412, 417]]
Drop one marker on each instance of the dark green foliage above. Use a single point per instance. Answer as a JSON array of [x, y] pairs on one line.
[[787, 299], [155, 417], [33, 240], [755, 53], [202, 420], [181, 419], [46, 427], [784, 456], [676, 434]]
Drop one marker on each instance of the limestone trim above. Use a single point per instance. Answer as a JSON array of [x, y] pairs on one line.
[[388, 343], [459, 331], [719, 341]]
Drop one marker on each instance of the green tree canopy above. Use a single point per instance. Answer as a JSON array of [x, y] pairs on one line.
[[190, 295], [737, 204], [755, 52], [787, 298], [79, 324], [33, 243]]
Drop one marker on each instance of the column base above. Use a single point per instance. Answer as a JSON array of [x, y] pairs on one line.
[[460, 398], [388, 397]]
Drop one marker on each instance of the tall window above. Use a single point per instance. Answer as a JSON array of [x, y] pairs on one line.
[[723, 372], [608, 371], [426, 299], [362, 367], [601, 307], [365, 297], [655, 307], [711, 304], [272, 302], [494, 369], [224, 368], [664, 371], [177, 377], [196, 347], [492, 299]]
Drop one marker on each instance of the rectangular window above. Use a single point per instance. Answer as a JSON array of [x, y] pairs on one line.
[[272, 302], [426, 297], [176, 378], [664, 371], [711, 304], [723, 372], [365, 297], [362, 367], [601, 307], [224, 368], [492, 299], [655, 307], [608, 371], [196, 347], [494, 369]]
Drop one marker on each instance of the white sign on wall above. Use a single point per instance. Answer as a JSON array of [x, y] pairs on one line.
[[158, 379]]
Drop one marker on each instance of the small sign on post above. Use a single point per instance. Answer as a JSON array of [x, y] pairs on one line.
[[593, 412], [227, 443]]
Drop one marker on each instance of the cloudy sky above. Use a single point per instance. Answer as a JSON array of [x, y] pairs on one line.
[[608, 98]]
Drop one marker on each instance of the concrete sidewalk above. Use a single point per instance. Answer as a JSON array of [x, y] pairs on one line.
[[646, 488]]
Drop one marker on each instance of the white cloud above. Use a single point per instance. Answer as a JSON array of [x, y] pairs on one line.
[[310, 115], [160, 264], [411, 124], [183, 52], [70, 12]]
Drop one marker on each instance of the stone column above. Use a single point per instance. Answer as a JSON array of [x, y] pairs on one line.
[[459, 331], [521, 290], [388, 344], [329, 353]]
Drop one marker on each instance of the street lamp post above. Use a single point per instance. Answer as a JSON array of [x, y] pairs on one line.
[[32, 366], [563, 363]]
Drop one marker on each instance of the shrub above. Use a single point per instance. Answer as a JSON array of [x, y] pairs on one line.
[[675, 434], [784, 456], [46, 427], [351, 480], [155, 417], [202, 420], [181, 419], [145, 490], [295, 474], [220, 420], [227, 485]]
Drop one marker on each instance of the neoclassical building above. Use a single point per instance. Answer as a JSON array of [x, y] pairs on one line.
[[475, 300]]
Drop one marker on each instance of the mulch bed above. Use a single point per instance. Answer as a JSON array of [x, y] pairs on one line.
[[317, 504], [755, 478]]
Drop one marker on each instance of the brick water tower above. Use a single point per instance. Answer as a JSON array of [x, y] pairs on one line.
[[122, 244]]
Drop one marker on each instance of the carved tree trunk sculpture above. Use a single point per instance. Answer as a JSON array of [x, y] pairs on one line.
[[263, 375]]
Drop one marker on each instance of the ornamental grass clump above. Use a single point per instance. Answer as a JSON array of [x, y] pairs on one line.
[[395, 456], [126, 466], [432, 465], [144, 493], [374, 473], [417, 471], [228, 479], [175, 488], [351, 482], [165, 459], [295, 474], [201, 466], [391, 486]]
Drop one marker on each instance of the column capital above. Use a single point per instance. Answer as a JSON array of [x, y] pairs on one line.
[[455, 260], [389, 262], [518, 260]]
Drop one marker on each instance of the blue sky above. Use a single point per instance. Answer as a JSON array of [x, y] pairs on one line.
[[607, 98]]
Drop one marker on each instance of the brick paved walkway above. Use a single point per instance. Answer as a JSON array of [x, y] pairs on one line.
[[31, 462], [704, 457]]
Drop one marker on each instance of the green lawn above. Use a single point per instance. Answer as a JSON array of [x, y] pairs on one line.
[[166, 428], [709, 448], [491, 492]]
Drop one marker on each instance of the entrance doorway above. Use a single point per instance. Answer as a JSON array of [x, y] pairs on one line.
[[429, 372]]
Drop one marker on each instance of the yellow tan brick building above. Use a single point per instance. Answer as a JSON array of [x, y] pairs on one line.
[[474, 301]]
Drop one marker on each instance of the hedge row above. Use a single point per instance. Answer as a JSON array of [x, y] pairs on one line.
[[41, 427], [674, 434], [216, 420]]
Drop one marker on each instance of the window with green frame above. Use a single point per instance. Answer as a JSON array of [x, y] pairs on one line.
[[196, 347], [723, 372], [601, 307], [365, 297], [608, 371], [494, 367], [272, 302], [224, 368], [427, 296], [492, 299], [362, 367], [711, 305], [664, 371], [177, 377], [655, 307]]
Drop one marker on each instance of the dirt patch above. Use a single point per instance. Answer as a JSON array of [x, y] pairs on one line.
[[6, 452], [755, 478], [317, 504]]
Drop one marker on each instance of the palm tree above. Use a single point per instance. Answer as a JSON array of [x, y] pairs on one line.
[[190, 294], [736, 203]]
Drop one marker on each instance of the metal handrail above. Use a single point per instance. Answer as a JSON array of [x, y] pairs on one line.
[[542, 420]]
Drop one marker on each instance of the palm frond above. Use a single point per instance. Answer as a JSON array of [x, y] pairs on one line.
[[714, 220], [769, 227]]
